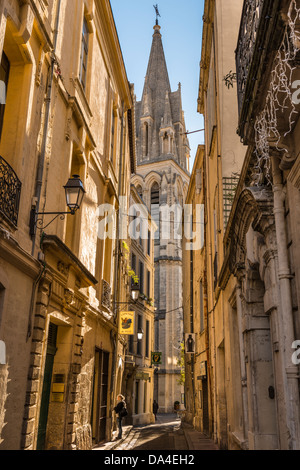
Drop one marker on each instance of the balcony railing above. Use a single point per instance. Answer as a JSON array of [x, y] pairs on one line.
[[106, 294], [256, 34], [251, 17], [10, 191]]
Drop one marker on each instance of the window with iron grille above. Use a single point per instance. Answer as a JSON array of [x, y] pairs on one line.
[[229, 190]]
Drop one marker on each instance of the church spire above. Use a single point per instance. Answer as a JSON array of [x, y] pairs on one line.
[[157, 77], [160, 122]]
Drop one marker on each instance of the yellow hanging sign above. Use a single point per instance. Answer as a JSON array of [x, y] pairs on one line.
[[126, 326]]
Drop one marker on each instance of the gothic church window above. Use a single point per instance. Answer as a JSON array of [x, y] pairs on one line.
[[146, 139], [155, 207]]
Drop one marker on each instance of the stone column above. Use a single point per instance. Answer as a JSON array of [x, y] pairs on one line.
[[242, 359], [141, 398], [286, 330], [35, 374]]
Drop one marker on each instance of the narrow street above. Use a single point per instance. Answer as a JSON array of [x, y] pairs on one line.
[[167, 433]]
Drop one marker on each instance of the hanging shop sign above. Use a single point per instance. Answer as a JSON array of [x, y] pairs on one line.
[[126, 326], [156, 358]]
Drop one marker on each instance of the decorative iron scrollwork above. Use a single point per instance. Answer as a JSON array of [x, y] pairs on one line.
[[10, 192], [252, 15], [106, 294]]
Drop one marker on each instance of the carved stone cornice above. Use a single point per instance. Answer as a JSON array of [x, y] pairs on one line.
[[255, 207]]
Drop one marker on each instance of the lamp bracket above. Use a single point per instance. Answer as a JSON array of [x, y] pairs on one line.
[[37, 222]]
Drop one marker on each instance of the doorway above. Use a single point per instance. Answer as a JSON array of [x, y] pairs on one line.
[[100, 396], [50, 355]]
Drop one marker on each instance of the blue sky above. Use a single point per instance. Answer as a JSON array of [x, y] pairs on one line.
[[181, 29]]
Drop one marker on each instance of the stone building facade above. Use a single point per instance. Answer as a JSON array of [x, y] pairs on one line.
[[198, 396], [138, 383], [68, 111], [162, 180], [251, 237]]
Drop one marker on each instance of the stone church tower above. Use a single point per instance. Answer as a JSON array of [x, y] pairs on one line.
[[162, 180]]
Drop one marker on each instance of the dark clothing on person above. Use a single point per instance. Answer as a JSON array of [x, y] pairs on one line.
[[118, 408]]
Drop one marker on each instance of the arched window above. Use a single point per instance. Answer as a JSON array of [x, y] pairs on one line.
[[155, 207], [146, 139]]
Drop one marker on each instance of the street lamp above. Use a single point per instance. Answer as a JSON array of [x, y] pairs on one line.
[[135, 292], [140, 334], [74, 193]]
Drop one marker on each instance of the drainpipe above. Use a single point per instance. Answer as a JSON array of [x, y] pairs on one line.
[[285, 309], [42, 156]]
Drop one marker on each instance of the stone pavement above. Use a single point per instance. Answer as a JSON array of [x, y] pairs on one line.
[[111, 445], [195, 440]]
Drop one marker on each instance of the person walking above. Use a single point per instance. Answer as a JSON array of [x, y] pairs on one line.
[[155, 408], [121, 411]]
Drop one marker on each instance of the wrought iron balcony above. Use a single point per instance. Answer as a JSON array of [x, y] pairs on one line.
[[256, 41], [106, 294], [10, 191]]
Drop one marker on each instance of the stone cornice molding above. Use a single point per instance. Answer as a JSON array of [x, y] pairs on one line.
[[208, 18], [255, 208]]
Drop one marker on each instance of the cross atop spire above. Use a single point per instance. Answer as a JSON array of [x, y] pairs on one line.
[[157, 12]]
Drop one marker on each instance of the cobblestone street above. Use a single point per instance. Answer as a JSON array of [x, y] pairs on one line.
[[167, 433]]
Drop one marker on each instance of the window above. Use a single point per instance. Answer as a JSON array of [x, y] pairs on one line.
[[112, 136], [147, 338], [133, 266], [141, 276], [139, 326], [130, 344], [4, 75], [84, 54], [146, 139], [148, 285], [149, 243], [155, 207]]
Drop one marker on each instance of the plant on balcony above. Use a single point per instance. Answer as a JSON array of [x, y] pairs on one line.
[[131, 273]]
